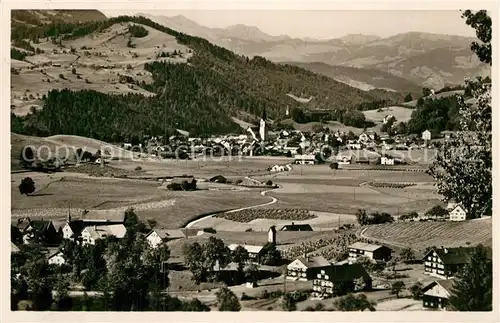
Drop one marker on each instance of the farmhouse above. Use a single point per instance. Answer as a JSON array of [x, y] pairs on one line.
[[56, 258], [254, 252], [303, 268], [93, 233], [296, 227], [446, 262], [372, 251], [158, 236], [437, 294], [340, 279], [73, 228], [37, 231], [458, 213]]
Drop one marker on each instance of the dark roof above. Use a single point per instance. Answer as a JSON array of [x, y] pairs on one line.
[[77, 226], [41, 225], [454, 256], [346, 272], [296, 227], [273, 229], [218, 178], [314, 262]]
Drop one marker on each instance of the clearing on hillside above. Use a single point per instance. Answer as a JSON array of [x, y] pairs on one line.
[[400, 113]]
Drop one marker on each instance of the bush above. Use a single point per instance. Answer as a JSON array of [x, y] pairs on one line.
[[73, 70], [137, 31], [245, 297], [138, 168], [62, 77], [269, 183]]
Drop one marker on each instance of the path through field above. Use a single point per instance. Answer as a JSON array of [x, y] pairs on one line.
[[263, 193]]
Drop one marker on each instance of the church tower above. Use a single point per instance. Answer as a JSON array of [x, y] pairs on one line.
[[262, 126]]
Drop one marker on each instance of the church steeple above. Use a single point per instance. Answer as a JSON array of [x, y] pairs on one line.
[[264, 115]]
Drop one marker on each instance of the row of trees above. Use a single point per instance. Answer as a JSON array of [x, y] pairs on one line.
[[373, 218]]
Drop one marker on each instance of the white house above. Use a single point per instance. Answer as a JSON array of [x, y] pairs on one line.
[[57, 258], [93, 233], [158, 236], [364, 137], [386, 160], [426, 135], [459, 213]]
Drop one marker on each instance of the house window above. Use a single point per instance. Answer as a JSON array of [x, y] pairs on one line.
[[319, 275]]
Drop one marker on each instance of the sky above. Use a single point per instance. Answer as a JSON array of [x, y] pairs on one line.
[[327, 24]]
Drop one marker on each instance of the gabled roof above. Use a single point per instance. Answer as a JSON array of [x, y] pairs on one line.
[[346, 272], [314, 262], [453, 256], [365, 246], [296, 227], [249, 248], [40, 225], [98, 232], [446, 284], [166, 234], [76, 226]]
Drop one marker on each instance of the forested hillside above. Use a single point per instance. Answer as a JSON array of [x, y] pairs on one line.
[[199, 96]]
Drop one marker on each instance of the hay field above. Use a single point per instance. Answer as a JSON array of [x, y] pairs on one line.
[[419, 235]]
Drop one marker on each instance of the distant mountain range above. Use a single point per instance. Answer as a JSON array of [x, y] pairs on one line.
[[423, 59]]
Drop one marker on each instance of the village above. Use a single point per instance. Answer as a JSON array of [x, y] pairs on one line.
[[204, 180]]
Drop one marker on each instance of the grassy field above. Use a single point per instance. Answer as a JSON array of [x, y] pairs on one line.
[[419, 235], [319, 188], [99, 60], [400, 113], [56, 192]]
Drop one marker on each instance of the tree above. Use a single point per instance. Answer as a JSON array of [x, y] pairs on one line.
[[27, 157], [194, 258], [240, 256], [426, 91], [27, 186], [73, 70], [288, 302], [463, 166], [397, 287], [252, 273], [270, 255], [436, 211], [408, 98], [227, 300], [362, 217], [481, 22], [408, 255], [352, 302], [473, 286], [62, 299], [416, 290]]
